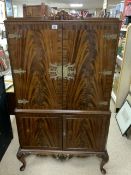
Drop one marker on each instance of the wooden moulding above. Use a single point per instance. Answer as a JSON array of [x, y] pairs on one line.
[[60, 111], [38, 19]]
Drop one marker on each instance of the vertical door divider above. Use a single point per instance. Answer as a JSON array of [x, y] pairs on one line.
[[62, 93]]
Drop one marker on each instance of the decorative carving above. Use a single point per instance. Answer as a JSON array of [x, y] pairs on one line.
[[63, 15], [58, 72], [63, 156], [105, 159], [21, 157], [59, 156]]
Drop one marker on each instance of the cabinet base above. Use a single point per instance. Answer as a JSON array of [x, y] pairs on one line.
[[61, 155]]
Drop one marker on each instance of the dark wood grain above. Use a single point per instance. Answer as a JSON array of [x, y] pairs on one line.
[[38, 47], [40, 131], [85, 132], [85, 47], [76, 43]]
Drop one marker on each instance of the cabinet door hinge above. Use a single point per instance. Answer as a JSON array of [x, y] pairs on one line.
[[19, 71], [23, 101], [106, 72], [104, 103], [110, 36], [14, 35]]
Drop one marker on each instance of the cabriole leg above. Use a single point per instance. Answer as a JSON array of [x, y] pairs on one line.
[[21, 157], [105, 159]]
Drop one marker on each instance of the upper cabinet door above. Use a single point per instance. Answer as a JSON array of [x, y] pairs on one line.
[[89, 53], [35, 52]]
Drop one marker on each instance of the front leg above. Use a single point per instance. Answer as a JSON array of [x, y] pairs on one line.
[[21, 157], [105, 159]]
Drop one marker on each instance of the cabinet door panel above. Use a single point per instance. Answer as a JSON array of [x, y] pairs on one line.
[[90, 50], [39, 131], [33, 49], [85, 132]]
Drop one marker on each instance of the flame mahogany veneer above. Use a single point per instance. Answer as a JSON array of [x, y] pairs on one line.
[[63, 72]]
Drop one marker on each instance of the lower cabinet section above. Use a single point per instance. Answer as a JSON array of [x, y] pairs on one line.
[[85, 132], [62, 134], [40, 131]]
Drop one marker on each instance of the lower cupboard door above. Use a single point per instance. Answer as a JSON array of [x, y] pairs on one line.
[[40, 132], [85, 133]]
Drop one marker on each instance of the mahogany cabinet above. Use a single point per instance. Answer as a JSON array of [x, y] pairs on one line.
[[63, 72]]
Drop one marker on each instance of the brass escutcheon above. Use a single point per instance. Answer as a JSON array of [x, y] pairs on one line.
[[57, 71]]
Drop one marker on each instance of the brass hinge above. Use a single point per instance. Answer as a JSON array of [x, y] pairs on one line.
[[110, 36], [19, 71], [23, 101], [14, 35], [106, 72], [104, 103]]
